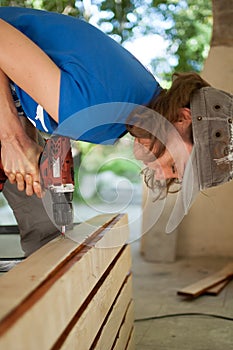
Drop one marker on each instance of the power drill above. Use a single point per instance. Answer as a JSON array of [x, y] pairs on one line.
[[57, 176]]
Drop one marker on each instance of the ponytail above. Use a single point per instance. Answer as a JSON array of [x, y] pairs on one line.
[[168, 102]]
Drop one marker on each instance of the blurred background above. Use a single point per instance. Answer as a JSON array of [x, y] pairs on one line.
[[166, 36]]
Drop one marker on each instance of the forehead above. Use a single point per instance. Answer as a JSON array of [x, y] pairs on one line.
[[155, 146]]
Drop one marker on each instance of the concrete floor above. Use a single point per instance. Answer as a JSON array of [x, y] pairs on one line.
[[155, 294]]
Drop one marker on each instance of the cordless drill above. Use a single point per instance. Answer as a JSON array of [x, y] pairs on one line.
[[57, 176]]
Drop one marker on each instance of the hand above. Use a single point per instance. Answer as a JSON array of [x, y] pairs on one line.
[[20, 157]]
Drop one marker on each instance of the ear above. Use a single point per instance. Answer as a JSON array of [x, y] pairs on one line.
[[183, 125], [185, 115]]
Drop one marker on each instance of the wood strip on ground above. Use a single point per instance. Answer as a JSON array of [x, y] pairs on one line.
[[218, 288], [204, 284]]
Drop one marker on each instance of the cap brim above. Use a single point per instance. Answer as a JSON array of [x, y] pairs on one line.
[[187, 194]]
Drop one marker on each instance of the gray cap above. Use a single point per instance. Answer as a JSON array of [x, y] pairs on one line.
[[211, 160]]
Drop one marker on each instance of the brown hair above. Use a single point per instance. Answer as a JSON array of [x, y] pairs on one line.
[[167, 104], [179, 95]]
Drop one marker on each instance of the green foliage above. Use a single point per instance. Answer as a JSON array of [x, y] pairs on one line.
[[119, 11], [14, 3], [118, 158], [185, 24], [98, 159], [189, 31], [61, 6], [122, 167]]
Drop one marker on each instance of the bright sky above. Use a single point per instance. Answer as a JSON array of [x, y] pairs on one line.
[[146, 48]]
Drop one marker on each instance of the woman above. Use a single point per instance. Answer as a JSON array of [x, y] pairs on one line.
[[66, 65], [60, 68]]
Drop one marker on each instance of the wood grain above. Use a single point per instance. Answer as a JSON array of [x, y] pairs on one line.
[[42, 294], [90, 321]]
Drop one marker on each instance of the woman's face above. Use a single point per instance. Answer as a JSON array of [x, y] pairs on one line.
[[171, 164]]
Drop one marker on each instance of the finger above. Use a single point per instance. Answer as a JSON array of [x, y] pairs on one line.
[[37, 188], [29, 185], [20, 182], [12, 178]]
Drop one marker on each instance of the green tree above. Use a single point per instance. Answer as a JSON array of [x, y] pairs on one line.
[[118, 14], [188, 31], [185, 24], [61, 6]]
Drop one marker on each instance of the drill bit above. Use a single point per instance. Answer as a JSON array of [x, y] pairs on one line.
[[63, 230]]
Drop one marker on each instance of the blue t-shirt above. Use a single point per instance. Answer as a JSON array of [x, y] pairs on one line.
[[101, 82]]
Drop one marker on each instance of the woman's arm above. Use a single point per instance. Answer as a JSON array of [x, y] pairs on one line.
[[30, 68], [19, 153]]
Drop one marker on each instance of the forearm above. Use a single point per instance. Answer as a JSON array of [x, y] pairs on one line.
[[11, 128], [32, 70], [9, 120], [29, 128], [19, 153]]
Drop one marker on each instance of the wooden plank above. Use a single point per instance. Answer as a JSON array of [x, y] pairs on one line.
[[218, 288], [108, 333], [47, 304], [131, 343], [89, 322], [201, 286], [123, 336]]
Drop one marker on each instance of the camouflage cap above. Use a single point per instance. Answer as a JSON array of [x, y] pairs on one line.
[[211, 160]]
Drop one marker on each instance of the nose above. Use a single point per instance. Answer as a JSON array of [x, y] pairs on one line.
[[163, 172]]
